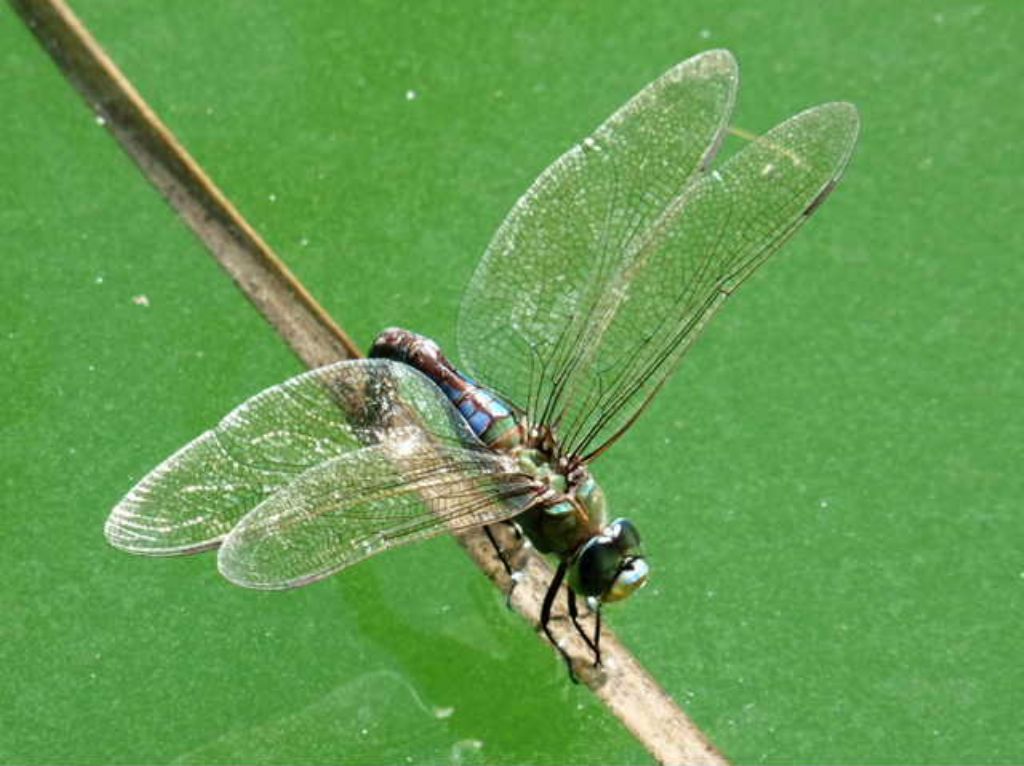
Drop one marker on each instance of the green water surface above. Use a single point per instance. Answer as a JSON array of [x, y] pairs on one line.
[[830, 489]]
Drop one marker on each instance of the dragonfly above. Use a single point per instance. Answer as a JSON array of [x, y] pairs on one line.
[[587, 298]]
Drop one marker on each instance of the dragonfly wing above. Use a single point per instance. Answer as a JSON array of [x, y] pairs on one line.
[[368, 501], [561, 247], [683, 267], [194, 498]]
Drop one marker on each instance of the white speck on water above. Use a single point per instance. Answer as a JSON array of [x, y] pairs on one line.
[[711, 594], [272, 197], [141, 300], [464, 745], [92, 368], [823, 504], [716, 175], [705, 34], [304, 242], [101, 120], [939, 18], [209, 110], [411, 95], [443, 712], [99, 279], [364, 732], [767, 169]]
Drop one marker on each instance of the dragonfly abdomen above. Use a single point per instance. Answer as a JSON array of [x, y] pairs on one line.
[[490, 418]]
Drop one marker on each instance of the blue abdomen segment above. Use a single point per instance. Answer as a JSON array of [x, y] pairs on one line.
[[482, 410], [491, 419]]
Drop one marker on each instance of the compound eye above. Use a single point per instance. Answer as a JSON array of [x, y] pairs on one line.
[[625, 535], [632, 577], [597, 567]]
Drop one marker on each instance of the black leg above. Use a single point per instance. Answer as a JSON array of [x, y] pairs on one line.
[[499, 551], [574, 616], [597, 637], [505, 563], [545, 617]]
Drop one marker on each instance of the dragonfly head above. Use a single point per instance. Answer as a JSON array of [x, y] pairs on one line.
[[610, 566]]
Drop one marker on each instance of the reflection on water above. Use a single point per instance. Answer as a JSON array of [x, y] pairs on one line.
[[346, 725]]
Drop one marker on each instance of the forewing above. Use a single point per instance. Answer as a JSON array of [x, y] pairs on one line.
[[525, 317], [194, 498], [369, 501], [679, 272]]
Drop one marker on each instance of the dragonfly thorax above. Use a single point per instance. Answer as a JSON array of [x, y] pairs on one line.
[[570, 508]]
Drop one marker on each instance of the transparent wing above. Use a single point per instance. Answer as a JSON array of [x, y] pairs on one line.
[[194, 498], [680, 271], [539, 287], [607, 269], [369, 501]]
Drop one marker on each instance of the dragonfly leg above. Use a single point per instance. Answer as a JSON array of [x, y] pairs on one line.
[[513, 575], [597, 637], [574, 616], [545, 617], [499, 551]]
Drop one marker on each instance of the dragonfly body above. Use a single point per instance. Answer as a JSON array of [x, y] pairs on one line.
[[570, 509], [586, 300]]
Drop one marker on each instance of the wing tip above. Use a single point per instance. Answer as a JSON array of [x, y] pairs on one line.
[[128, 531], [716, 61], [835, 123], [840, 113], [847, 109], [849, 115], [722, 56], [123, 529]]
